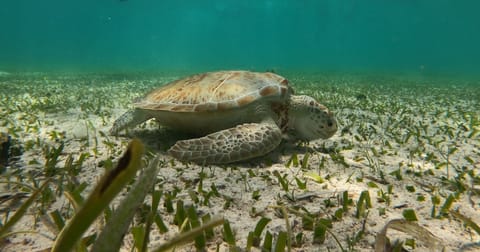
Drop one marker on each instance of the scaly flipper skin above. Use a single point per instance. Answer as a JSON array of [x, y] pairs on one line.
[[239, 143], [128, 119]]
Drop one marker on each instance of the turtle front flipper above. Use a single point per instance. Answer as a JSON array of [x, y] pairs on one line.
[[129, 119], [239, 143]]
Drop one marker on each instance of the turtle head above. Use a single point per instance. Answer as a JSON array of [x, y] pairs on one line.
[[310, 120]]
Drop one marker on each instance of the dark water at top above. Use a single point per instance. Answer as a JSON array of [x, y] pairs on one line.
[[436, 36]]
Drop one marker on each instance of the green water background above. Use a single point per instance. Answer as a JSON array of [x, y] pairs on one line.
[[413, 36]]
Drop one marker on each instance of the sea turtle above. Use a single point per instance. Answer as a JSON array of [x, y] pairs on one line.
[[238, 114]]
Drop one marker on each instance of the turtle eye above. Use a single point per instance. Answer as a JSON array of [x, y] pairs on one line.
[[312, 103]]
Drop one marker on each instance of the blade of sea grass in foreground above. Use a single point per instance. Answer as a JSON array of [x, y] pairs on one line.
[[411, 228], [110, 239], [109, 186]]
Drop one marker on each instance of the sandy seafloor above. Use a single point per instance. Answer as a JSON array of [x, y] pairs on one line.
[[416, 137]]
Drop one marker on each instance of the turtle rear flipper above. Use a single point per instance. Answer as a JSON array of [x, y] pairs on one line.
[[129, 119], [239, 143]]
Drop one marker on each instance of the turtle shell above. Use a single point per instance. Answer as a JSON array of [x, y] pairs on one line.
[[215, 91]]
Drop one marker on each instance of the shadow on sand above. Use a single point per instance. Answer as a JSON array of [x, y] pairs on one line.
[[161, 139]]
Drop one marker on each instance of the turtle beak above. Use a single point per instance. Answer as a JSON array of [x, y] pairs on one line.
[[329, 127]]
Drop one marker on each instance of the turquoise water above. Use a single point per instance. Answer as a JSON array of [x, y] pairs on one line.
[[436, 36]]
